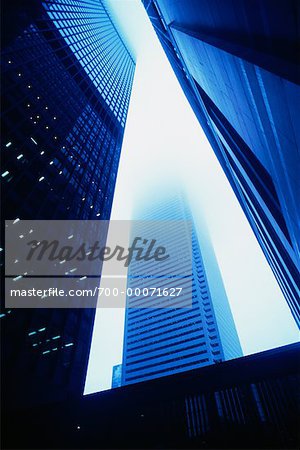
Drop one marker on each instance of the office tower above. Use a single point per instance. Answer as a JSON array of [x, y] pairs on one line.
[[160, 341], [67, 79], [237, 64], [249, 402]]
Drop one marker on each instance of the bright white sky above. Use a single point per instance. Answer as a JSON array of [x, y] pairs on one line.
[[165, 148]]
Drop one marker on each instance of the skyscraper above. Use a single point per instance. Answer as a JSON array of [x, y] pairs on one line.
[[166, 340], [237, 63], [67, 79]]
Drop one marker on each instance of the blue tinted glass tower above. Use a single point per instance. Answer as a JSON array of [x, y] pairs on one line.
[[67, 77], [165, 341], [116, 376], [238, 65]]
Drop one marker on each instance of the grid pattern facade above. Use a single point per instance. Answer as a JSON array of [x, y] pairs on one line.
[[61, 143], [92, 37], [164, 341], [61, 146], [239, 71]]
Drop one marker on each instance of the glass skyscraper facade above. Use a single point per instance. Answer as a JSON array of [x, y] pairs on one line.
[[198, 332], [237, 64], [67, 77], [92, 37], [64, 113]]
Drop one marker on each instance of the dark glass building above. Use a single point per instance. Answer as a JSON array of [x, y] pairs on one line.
[[66, 81], [249, 402], [164, 340], [237, 62]]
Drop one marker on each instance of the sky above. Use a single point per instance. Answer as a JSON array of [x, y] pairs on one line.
[[165, 149]]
